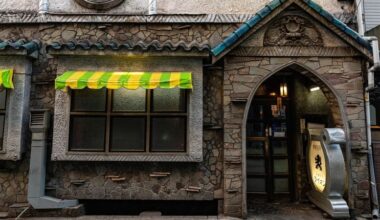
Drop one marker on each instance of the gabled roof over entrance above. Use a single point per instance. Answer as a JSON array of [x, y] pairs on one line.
[[274, 8]]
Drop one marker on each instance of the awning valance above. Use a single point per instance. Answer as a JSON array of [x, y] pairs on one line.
[[128, 80], [6, 76]]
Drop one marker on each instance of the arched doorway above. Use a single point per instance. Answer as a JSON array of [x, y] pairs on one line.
[[283, 105]]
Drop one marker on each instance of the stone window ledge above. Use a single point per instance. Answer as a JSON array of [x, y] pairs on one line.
[[127, 158]]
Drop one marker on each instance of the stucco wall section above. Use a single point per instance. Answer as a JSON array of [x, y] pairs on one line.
[[131, 7], [230, 7]]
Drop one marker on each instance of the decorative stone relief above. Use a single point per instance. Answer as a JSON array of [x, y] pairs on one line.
[[99, 4], [292, 30]]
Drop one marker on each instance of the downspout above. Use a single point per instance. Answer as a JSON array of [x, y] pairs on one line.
[[43, 6], [371, 86], [152, 7], [39, 125]]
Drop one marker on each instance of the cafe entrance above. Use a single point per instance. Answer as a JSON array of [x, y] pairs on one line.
[[282, 108]]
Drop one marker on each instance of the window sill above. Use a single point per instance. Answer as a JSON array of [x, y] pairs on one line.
[[132, 157]]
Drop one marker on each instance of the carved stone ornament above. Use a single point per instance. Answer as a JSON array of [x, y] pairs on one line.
[[99, 4], [292, 30]]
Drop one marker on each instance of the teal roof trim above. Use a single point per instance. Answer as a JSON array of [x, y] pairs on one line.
[[271, 6]]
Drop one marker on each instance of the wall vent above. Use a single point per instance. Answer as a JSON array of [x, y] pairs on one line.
[[39, 120]]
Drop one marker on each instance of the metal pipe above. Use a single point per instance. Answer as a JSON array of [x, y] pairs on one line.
[[43, 6], [371, 84], [359, 16], [152, 7]]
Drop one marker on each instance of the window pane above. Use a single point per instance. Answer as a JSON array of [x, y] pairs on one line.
[[129, 100], [280, 166], [168, 134], [169, 100], [87, 133], [89, 100], [2, 119], [281, 185], [255, 166], [3, 98], [255, 184], [128, 134], [280, 148], [255, 147]]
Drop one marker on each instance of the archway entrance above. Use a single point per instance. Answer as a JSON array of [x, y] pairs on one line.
[[283, 106]]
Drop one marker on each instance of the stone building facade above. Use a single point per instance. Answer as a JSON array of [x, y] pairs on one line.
[[328, 54]]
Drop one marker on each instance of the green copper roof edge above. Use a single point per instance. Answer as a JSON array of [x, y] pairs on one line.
[[267, 9]]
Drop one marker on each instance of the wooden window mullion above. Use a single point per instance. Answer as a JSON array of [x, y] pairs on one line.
[[108, 120], [149, 94]]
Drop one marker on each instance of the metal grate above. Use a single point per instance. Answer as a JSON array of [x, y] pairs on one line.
[[37, 119]]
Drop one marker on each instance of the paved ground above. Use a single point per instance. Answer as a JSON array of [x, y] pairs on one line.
[[257, 211]]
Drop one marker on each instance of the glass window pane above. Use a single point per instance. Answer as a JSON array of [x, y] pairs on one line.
[[128, 134], [129, 100], [280, 165], [281, 185], [89, 100], [87, 133], [280, 148], [2, 120], [169, 100], [168, 134], [256, 184], [255, 147], [3, 98], [255, 165]]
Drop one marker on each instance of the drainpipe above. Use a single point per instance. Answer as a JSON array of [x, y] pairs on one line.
[[39, 125], [371, 85], [359, 16], [43, 6], [152, 7]]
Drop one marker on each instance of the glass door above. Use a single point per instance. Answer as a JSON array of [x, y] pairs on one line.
[[268, 162]]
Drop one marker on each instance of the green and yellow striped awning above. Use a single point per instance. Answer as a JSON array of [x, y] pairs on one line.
[[128, 80], [6, 76]]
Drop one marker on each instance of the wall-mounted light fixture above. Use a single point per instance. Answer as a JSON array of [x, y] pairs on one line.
[[283, 89], [314, 88]]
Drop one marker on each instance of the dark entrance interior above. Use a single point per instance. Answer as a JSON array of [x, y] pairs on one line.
[[283, 107]]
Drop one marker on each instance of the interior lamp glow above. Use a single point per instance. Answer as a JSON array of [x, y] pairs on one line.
[[314, 88], [283, 89]]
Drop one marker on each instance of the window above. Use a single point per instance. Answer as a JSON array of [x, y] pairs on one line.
[[128, 120], [3, 100]]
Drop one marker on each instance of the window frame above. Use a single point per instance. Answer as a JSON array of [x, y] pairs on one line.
[[148, 114], [156, 63]]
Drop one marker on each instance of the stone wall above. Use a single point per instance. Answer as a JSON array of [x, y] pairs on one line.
[[342, 83], [89, 180]]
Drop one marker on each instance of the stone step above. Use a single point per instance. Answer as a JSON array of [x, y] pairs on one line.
[[3, 214]]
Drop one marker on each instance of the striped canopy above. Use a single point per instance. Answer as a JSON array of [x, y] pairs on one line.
[[6, 76], [128, 80]]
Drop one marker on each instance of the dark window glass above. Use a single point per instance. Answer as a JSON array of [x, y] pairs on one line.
[[128, 134], [124, 121], [3, 98], [89, 100], [168, 134], [87, 133], [129, 100], [169, 100], [2, 120]]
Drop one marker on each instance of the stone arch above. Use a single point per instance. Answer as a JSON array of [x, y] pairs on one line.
[[334, 101]]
